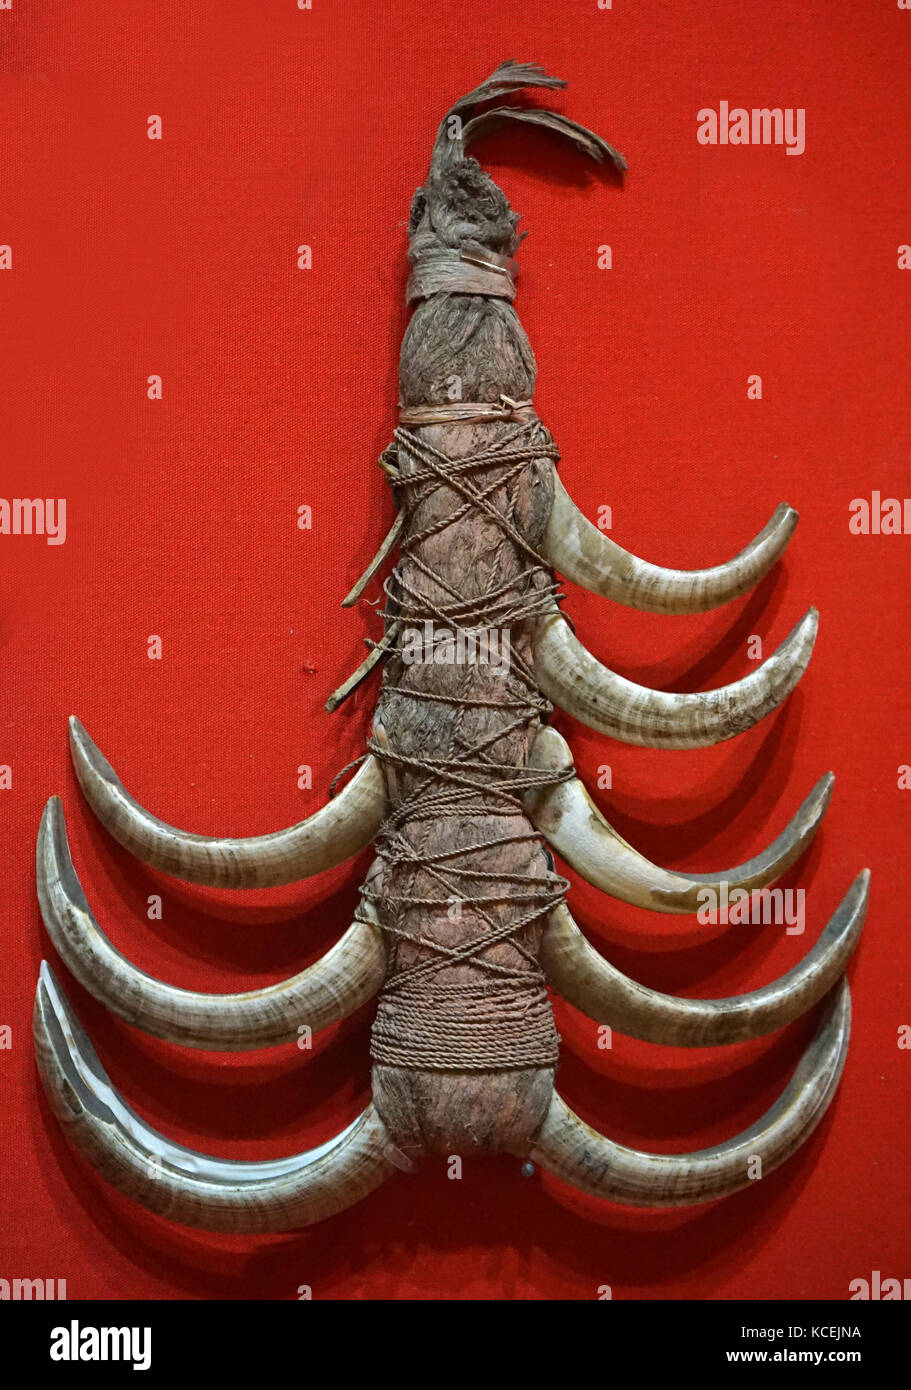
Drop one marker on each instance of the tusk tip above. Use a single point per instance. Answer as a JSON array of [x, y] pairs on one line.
[[785, 519], [50, 1005], [822, 792], [78, 736], [53, 1017], [55, 871], [88, 759], [856, 901], [53, 825], [67, 1061], [801, 640], [45, 838], [80, 743]]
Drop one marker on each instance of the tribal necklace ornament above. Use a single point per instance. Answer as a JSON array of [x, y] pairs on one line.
[[466, 791]]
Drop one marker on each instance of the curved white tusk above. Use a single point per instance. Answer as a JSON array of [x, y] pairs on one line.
[[573, 679], [589, 982], [334, 833], [348, 975], [578, 550], [578, 1154], [194, 1188], [572, 824]]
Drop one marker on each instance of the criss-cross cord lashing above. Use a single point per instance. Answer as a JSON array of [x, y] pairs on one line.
[[502, 1016]]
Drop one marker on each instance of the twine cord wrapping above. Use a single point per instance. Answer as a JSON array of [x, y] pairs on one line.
[[432, 1015], [469, 269], [468, 412]]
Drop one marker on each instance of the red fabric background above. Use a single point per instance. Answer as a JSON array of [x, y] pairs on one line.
[[177, 257]]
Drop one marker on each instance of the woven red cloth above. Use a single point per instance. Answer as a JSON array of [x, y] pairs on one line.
[[178, 258]]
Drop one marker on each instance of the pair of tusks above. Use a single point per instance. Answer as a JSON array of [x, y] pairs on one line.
[[354, 970], [197, 1189], [564, 813]]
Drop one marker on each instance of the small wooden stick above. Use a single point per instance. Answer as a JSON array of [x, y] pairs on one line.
[[388, 545]]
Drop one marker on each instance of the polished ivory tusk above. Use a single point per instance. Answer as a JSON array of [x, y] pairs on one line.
[[578, 550], [589, 982], [573, 679], [572, 824], [334, 833], [194, 1188], [573, 1151], [348, 975]]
